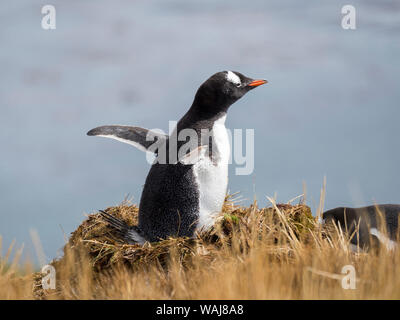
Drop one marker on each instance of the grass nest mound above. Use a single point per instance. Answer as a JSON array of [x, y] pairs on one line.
[[236, 228]]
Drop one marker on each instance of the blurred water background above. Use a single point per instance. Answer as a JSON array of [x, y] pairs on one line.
[[331, 107]]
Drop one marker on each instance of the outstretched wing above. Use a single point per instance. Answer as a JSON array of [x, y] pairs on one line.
[[138, 137]]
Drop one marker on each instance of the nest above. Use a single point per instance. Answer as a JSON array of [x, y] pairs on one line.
[[95, 242]]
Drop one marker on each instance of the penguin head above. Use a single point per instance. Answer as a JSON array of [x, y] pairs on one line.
[[223, 89], [343, 216]]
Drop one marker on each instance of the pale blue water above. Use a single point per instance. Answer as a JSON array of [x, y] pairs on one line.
[[331, 107]]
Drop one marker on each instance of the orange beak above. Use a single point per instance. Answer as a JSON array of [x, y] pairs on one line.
[[257, 83]]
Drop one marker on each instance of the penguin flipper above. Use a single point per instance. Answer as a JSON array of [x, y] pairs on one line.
[[383, 239], [194, 156], [138, 137], [131, 235]]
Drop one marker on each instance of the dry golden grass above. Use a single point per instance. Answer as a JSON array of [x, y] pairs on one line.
[[270, 253]]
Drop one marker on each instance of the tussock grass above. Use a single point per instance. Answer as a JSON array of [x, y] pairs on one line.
[[278, 252]]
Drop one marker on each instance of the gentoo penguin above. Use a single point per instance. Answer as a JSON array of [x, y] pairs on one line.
[[185, 191], [377, 225]]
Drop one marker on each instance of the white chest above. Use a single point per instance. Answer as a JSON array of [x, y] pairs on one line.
[[212, 176]]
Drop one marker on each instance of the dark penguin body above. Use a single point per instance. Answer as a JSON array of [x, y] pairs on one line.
[[183, 194], [169, 205], [376, 225]]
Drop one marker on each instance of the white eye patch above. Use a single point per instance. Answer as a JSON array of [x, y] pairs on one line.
[[234, 78]]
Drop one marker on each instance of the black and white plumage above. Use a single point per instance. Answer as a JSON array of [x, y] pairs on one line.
[[367, 226], [131, 234], [184, 193]]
